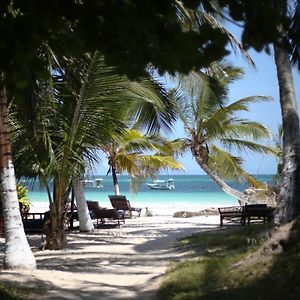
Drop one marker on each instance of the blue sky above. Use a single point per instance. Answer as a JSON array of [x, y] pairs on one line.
[[261, 80]]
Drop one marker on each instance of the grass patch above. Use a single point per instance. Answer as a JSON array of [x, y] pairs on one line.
[[13, 293], [217, 269]]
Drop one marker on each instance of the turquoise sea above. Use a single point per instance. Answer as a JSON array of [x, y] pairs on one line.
[[191, 192]]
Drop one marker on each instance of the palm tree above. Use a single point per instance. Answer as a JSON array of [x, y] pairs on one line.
[[289, 204], [130, 153], [210, 122], [80, 114], [278, 146], [17, 250]]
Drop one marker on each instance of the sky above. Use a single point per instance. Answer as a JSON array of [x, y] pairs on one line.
[[261, 80]]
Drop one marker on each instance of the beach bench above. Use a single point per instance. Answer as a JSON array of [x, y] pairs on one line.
[[232, 213], [258, 211]]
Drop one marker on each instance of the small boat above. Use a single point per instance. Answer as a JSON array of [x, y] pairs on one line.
[[162, 184], [97, 183]]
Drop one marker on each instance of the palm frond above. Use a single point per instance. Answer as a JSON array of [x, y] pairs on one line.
[[244, 145], [239, 128], [151, 107], [225, 164]]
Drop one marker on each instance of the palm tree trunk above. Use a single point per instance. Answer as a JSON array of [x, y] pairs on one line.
[[55, 226], [115, 180], [242, 198], [289, 197], [17, 251], [85, 221]]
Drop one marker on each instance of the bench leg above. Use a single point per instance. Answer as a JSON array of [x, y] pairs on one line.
[[221, 221]]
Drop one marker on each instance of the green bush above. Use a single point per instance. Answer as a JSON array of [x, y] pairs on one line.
[[24, 202]]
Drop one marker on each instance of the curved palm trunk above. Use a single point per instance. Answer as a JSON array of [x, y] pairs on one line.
[[17, 251], [115, 180], [85, 221], [242, 198], [289, 197]]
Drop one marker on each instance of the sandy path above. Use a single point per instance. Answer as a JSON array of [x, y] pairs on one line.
[[110, 263]]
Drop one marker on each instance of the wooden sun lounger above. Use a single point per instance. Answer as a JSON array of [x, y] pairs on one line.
[[33, 222], [100, 214], [121, 203]]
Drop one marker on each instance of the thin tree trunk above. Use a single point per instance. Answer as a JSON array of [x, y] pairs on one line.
[[242, 198], [85, 221], [55, 226], [289, 197], [17, 251], [115, 180]]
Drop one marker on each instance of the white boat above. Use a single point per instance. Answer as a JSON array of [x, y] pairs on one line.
[[97, 183], [162, 184]]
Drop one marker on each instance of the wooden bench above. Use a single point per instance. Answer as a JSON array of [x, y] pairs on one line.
[[232, 213], [247, 212], [258, 211]]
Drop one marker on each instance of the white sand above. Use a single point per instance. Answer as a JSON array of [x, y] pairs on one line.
[[110, 263]]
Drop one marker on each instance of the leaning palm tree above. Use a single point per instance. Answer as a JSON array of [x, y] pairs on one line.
[[138, 155], [210, 122]]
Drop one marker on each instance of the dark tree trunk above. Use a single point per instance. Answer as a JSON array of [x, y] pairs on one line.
[[289, 197]]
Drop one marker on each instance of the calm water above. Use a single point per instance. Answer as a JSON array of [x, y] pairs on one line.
[[191, 192]]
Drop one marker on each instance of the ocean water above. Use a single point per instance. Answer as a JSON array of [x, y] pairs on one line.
[[192, 192]]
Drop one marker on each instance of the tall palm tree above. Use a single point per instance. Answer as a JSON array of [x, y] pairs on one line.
[[210, 122], [289, 204], [17, 250], [138, 155]]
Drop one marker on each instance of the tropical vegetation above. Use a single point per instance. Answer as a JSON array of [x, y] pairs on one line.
[[76, 116], [210, 120], [130, 40], [139, 156]]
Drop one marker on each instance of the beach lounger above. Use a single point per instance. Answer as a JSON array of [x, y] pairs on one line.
[[100, 213], [33, 222], [121, 203]]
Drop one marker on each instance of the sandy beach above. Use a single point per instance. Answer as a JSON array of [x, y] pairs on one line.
[[109, 263]]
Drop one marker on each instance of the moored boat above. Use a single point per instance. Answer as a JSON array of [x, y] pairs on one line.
[[97, 183], [162, 184]]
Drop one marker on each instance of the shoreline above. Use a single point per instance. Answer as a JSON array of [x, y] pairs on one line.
[[153, 210]]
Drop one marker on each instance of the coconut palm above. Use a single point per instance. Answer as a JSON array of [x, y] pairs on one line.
[[289, 205], [17, 250], [210, 122], [138, 155], [82, 113], [278, 146], [76, 117]]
